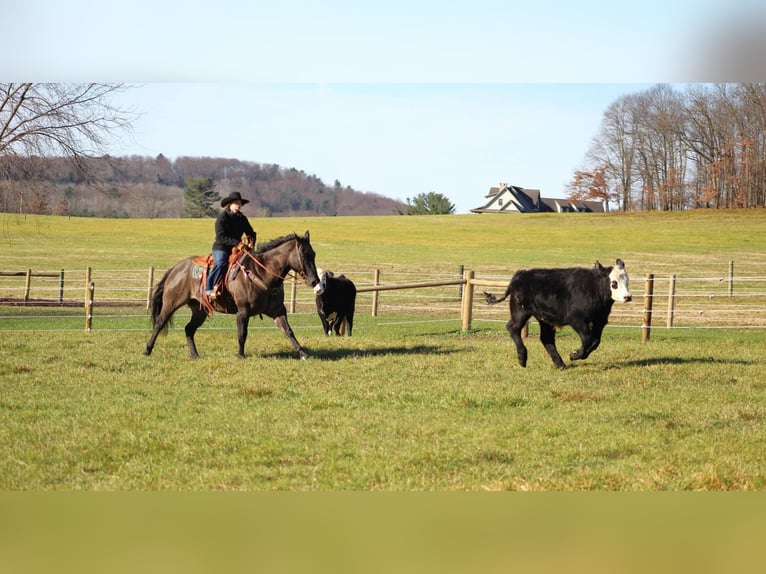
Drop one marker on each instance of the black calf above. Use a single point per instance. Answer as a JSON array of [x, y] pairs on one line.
[[579, 297], [335, 306]]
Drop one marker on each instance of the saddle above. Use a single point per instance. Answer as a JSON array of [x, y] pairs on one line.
[[204, 263]]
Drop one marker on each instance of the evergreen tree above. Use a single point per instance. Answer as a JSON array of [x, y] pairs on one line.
[[199, 197], [431, 203]]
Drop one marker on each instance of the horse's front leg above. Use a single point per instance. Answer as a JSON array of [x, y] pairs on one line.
[[243, 320], [281, 322]]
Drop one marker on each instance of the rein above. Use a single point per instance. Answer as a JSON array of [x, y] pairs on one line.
[[258, 281]]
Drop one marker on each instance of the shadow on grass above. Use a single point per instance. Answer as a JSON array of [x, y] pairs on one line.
[[680, 361], [340, 354]]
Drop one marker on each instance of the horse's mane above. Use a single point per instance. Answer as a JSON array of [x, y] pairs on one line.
[[275, 242]]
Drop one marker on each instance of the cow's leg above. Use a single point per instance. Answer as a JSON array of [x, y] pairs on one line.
[[591, 342], [548, 339], [338, 324], [584, 332], [284, 326], [514, 326], [350, 321], [598, 328], [197, 318], [325, 325], [243, 320], [333, 323]]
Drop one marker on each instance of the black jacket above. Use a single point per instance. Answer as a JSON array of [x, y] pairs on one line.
[[229, 228]]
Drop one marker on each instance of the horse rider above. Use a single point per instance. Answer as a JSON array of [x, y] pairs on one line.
[[230, 225]]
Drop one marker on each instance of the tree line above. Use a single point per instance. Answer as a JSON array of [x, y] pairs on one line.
[[669, 149], [52, 137], [146, 187]]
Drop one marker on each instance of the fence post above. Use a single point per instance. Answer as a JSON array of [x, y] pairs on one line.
[[375, 282], [461, 274], [149, 288], [671, 301], [731, 278], [27, 286], [648, 297], [89, 308], [467, 306], [88, 272], [61, 287]]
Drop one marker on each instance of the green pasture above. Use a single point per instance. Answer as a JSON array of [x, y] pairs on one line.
[[676, 241], [407, 403]]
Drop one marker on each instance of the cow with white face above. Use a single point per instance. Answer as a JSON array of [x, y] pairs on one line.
[[619, 282], [579, 297], [336, 303]]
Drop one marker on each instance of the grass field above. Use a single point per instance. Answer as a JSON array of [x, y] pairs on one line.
[[402, 405]]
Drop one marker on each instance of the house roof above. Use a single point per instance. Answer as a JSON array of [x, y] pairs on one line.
[[514, 199]]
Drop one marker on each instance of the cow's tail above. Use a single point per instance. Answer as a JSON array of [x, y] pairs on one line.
[[492, 300]]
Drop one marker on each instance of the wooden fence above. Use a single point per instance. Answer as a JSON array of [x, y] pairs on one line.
[[711, 302], [29, 274]]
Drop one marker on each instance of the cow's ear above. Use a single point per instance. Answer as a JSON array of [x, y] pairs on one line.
[[597, 265], [620, 264]]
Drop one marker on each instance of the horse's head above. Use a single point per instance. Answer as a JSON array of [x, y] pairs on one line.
[[306, 265]]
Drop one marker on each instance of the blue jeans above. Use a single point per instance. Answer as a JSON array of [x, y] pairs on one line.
[[220, 263]]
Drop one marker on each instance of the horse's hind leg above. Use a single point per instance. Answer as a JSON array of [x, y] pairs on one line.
[[284, 326], [156, 331], [197, 318], [159, 324]]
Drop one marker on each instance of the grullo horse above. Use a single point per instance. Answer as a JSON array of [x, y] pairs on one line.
[[256, 288]]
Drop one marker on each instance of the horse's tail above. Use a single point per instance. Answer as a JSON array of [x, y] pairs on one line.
[[157, 296], [492, 300]]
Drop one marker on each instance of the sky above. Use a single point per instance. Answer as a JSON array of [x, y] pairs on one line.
[[397, 98], [397, 140]]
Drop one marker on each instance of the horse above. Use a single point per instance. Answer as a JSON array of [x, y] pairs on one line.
[[254, 286]]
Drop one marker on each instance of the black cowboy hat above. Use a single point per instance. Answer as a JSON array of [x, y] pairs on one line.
[[233, 196]]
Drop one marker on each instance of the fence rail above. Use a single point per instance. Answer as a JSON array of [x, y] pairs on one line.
[[109, 296]]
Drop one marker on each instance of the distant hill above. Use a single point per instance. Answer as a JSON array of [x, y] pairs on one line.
[[136, 186]]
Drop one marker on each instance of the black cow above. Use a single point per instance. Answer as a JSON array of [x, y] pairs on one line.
[[335, 305], [579, 297]]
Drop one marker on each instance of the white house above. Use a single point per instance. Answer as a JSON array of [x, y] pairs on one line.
[[513, 199]]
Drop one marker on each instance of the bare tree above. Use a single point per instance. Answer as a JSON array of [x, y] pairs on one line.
[[709, 131], [640, 148], [75, 121], [613, 150], [662, 153], [750, 118]]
